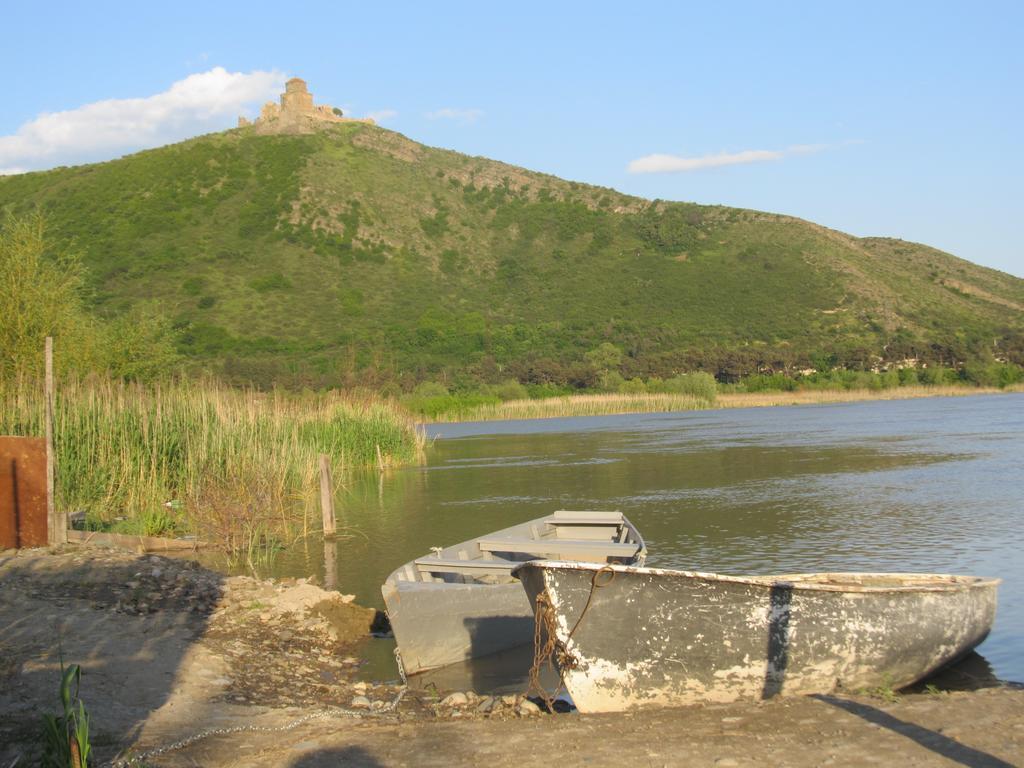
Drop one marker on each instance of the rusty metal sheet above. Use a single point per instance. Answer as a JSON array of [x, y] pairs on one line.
[[22, 492]]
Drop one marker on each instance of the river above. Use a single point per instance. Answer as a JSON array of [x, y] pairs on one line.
[[929, 485]]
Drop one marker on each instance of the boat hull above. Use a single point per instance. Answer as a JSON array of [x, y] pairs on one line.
[[653, 637], [440, 624], [461, 602]]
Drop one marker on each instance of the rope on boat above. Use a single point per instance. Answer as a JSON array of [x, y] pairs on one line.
[[547, 648]]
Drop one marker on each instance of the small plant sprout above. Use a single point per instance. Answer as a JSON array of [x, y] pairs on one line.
[[66, 736]]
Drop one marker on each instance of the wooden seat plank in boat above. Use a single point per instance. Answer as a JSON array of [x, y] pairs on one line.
[[574, 517], [577, 547], [476, 567]]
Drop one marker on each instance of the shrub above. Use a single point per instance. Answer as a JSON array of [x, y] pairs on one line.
[[435, 406], [889, 379], [908, 377], [606, 357], [656, 385], [701, 385], [140, 346], [546, 389], [991, 374], [273, 282], [430, 389], [633, 386], [937, 375], [768, 383], [193, 286], [611, 381], [510, 390]]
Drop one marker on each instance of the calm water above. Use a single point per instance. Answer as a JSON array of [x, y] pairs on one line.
[[933, 485]]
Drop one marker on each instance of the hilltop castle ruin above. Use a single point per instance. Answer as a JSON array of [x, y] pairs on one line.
[[297, 111]]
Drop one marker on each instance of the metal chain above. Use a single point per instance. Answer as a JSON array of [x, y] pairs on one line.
[[189, 740], [401, 667], [547, 648]]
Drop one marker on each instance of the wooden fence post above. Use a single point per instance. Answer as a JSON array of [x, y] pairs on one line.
[[326, 495], [56, 523]]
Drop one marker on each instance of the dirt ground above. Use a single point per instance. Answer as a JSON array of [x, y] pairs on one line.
[[170, 650]]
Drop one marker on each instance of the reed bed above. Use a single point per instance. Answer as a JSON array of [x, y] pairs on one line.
[[821, 396], [606, 404], [192, 455], [579, 405]]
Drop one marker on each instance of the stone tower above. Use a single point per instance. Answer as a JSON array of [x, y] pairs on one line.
[[296, 113], [296, 99]]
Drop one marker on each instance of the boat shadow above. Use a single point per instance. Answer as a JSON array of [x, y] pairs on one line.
[[506, 670], [925, 737], [970, 673], [351, 757], [490, 672]]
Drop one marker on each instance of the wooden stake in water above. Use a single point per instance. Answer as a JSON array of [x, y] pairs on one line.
[[57, 524], [330, 565], [326, 495]]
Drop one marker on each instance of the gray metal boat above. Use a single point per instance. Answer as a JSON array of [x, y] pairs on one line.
[[631, 637], [462, 601]]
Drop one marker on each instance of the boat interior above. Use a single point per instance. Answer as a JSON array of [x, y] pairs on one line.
[[603, 537]]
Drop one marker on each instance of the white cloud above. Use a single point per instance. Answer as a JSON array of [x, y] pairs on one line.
[[199, 103], [461, 115], [381, 115], [677, 164]]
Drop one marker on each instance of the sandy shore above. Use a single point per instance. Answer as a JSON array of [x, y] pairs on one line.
[[170, 650]]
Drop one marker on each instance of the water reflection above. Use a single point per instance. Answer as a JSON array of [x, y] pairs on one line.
[[926, 485]]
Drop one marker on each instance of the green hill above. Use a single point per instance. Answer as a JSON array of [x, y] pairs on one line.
[[354, 254]]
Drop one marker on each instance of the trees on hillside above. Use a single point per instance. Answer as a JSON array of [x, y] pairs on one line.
[[43, 293]]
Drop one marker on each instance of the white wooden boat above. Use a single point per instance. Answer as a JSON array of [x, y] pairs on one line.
[[633, 637], [462, 601]]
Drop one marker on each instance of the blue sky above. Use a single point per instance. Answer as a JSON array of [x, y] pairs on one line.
[[896, 119]]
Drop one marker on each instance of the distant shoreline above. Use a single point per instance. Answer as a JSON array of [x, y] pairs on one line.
[[611, 404], [811, 397]]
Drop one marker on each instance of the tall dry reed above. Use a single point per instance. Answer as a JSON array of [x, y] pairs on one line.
[[147, 452], [579, 405], [822, 396], [606, 404]]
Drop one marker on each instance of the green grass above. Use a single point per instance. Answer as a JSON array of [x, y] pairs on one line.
[[201, 456], [354, 256]]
